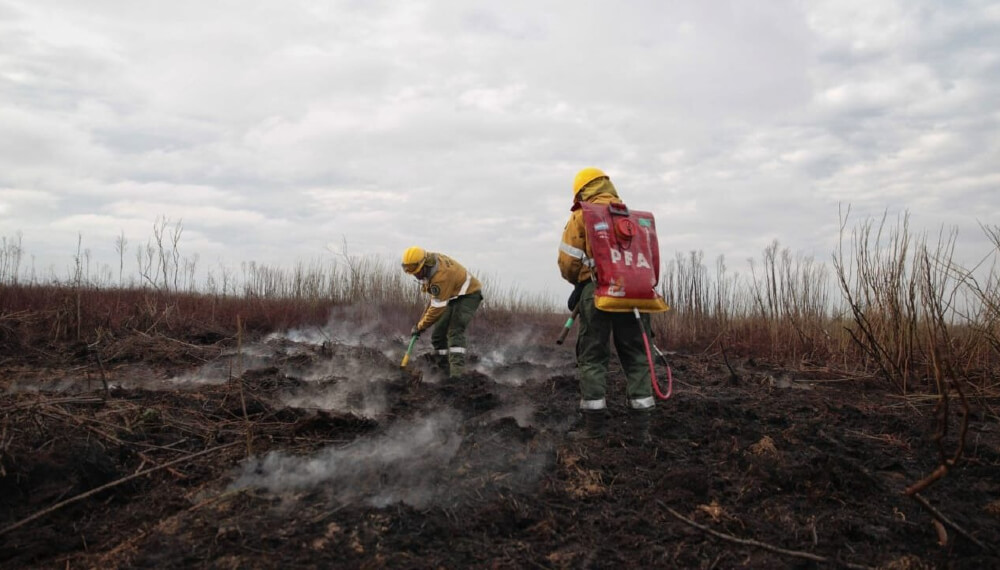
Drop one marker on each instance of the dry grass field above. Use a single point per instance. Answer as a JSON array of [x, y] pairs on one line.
[[267, 423]]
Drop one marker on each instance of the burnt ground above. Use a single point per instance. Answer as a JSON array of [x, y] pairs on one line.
[[304, 453]]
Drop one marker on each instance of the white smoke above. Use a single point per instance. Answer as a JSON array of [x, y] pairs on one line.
[[349, 396], [407, 464], [521, 359], [228, 365], [348, 381], [347, 326], [313, 336]]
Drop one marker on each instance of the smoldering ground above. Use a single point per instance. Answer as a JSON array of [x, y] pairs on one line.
[[430, 455], [423, 472], [407, 463], [424, 462]]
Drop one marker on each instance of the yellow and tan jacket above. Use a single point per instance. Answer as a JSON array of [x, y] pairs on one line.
[[446, 280], [575, 255]]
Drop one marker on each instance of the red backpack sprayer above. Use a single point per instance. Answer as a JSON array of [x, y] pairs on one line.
[[626, 269]]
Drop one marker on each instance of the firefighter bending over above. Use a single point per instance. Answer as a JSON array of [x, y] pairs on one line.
[[455, 296]]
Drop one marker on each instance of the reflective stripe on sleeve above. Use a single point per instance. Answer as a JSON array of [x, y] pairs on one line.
[[442, 351], [457, 349], [642, 403], [437, 304], [465, 286], [593, 404], [576, 253]]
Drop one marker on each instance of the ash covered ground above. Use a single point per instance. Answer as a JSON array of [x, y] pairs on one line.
[[309, 449]]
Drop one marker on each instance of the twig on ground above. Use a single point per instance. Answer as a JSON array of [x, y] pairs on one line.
[[733, 376], [82, 423], [941, 518], [763, 545], [939, 472], [104, 375], [110, 485], [42, 400], [833, 380], [914, 492], [181, 342]]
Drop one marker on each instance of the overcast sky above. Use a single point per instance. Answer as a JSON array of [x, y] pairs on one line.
[[273, 129]]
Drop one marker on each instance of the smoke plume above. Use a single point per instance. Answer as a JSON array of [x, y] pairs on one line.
[[407, 464]]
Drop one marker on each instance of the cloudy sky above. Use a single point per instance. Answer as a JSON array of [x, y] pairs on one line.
[[273, 129]]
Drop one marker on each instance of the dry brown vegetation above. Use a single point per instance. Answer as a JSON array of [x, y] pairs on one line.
[[841, 417]]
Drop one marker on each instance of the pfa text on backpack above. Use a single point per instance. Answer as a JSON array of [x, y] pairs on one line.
[[626, 258]]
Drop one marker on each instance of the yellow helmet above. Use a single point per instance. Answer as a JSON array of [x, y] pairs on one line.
[[413, 259], [586, 176]]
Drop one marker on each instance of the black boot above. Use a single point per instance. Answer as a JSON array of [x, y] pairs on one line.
[[456, 364], [441, 361], [593, 425], [639, 421]]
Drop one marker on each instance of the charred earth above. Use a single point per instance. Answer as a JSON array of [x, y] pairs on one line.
[[312, 452]]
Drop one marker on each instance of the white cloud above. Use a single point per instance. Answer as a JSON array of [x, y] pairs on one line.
[[20, 201], [273, 130]]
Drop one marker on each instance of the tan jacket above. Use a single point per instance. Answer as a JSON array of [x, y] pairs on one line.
[[575, 255], [446, 280]]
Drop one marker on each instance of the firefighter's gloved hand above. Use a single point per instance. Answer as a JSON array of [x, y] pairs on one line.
[[574, 297], [415, 331]]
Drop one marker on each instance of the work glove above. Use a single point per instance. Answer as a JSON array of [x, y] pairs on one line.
[[574, 297], [415, 331]]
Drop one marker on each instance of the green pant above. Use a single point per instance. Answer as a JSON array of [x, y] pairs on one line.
[[593, 352], [448, 337]]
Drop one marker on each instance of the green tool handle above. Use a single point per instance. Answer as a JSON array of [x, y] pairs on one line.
[[568, 325], [409, 349]]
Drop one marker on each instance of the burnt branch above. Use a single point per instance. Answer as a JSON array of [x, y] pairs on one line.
[[762, 545]]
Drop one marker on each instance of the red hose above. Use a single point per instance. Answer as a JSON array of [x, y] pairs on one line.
[[652, 369]]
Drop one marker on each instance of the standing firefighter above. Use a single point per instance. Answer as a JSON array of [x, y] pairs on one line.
[[455, 296], [611, 257]]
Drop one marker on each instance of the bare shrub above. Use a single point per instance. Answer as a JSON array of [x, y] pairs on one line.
[[879, 285]]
